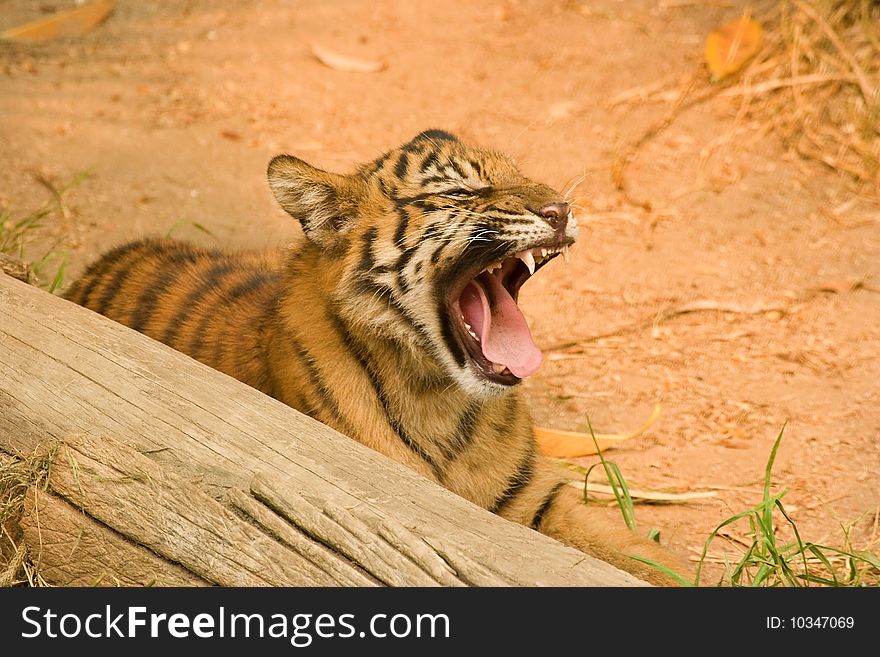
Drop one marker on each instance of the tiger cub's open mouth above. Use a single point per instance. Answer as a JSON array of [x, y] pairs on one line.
[[487, 321]]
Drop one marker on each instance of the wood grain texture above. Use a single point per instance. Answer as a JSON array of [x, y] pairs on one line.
[[173, 518], [16, 268], [69, 548], [65, 370]]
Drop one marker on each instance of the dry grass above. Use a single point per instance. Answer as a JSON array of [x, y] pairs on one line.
[[16, 476], [816, 83]]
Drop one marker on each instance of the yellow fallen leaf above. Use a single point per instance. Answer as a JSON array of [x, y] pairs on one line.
[[730, 46], [570, 444], [73, 22], [840, 286], [348, 63], [646, 495]]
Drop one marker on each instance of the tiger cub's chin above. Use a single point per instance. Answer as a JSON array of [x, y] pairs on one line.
[[394, 320]]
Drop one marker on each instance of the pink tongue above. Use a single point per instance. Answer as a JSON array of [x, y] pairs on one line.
[[504, 334]]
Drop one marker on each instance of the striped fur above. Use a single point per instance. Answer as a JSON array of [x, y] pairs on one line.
[[350, 325]]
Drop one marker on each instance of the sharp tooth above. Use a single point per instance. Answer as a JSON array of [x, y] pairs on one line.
[[528, 259], [566, 255], [498, 369], [544, 252]]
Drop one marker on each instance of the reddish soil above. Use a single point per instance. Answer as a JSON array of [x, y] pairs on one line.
[[178, 109]]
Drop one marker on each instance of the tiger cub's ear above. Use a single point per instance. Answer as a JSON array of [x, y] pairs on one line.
[[324, 203]]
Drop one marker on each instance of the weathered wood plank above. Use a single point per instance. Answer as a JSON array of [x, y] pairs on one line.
[[65, 370], [338, 567], [173, 518], [16, 268], [407, 561], [69, 548]]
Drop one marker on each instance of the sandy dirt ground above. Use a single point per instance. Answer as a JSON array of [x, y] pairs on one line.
[[176, 108]]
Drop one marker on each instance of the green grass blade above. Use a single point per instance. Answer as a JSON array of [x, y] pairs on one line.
[[681, 579], [712, 536], [817, 552], [587, 479], [59, 276], [768, 477], [626, 504], [615, 479], [797, 534]]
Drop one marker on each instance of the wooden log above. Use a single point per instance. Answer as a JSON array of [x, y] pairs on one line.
[[16, 268], [69, 548], [65, 370], [342, 570], [175, 519]]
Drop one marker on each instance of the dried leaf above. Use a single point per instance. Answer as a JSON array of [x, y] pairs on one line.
[[840, 286], [73, 22], [645, 495], [570, 444], [348, 63], [730, 46]]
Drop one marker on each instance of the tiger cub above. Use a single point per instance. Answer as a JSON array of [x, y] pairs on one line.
[[395, 321]]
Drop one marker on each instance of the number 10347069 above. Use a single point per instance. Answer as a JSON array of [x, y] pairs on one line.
[[810, 623]]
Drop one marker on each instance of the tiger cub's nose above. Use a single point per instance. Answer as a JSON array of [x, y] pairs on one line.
[[556, 215]]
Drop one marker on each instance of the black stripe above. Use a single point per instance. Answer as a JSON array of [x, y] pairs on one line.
[[369, 287], [402, 223], [251, 283], [401, 166], [430, 159], [463, 435], [449, 338], [511, 418], [389, 191], [362, 358], [520, 478], [435, 256], [121, 276], [455, 167], [254, 283], [546, 504], [265, 327], [367, 261], [426, 205], [478, 169], [402, 283], [96, 270], [324, 395], [149, 299], [415, 146], [379, 162], [401, 201], [437, 135], [400, 266], [211, 280]]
